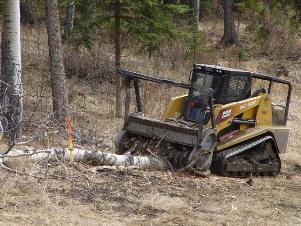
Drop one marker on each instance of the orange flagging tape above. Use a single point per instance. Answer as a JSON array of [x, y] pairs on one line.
[[69, 137]]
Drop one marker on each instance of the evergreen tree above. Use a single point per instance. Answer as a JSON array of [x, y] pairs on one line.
[[59, 89], [148, 22], [229, 36]]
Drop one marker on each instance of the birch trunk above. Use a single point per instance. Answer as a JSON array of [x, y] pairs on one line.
[[59, 90], [11, 89], [89, 157]]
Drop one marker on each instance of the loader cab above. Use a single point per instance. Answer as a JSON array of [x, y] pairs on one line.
[[227, 86]]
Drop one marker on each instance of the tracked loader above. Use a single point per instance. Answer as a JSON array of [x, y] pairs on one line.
[[224, 123]]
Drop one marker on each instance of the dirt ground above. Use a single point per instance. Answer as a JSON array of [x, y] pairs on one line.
[[80, 197]]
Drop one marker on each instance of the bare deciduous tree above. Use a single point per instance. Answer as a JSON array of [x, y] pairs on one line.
[[11, 85], [59, 90]]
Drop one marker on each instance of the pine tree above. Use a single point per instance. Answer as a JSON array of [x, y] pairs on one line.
[[229, 36], [149, 22], [69, 19], [117, 56], [59, 89]]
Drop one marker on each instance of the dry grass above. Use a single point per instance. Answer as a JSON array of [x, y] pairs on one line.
[[148, 198]]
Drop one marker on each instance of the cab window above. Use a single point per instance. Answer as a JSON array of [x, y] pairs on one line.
[[239, 88], [203, 83]]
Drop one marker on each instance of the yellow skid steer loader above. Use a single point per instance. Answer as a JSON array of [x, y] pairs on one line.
[[220, 124]]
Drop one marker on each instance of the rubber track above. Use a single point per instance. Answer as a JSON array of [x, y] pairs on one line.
[[221, 159]]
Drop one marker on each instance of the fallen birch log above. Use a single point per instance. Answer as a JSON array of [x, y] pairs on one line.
[[89, 157]]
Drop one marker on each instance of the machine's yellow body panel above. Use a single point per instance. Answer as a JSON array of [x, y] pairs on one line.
[[280, 133], [264, 112], [174, 108], [242, 136], [226, 113], [257, 108]]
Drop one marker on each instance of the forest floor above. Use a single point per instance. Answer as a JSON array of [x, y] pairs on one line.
[[77, 194]]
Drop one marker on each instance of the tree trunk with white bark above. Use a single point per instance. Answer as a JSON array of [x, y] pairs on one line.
[[11, 85], [89, 157], [59, 89]]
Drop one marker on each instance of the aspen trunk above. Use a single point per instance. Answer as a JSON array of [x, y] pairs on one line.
[[11, 89], [59, 90]]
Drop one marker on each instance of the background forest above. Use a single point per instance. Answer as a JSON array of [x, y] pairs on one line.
[[153, 37]]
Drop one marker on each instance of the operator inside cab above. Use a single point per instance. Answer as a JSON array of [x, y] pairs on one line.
[[196, 105], [198, 97]]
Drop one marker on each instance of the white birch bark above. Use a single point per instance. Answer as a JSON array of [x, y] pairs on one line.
[[11, 87], [89, 157]]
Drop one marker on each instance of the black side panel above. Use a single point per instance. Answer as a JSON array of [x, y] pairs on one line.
[[155, 129]]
